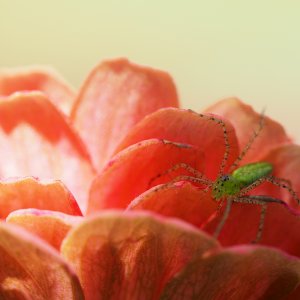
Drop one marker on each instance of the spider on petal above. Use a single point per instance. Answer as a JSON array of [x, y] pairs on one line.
[[235, 185]]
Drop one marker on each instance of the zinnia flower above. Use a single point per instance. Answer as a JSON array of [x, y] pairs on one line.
[[109, 147]]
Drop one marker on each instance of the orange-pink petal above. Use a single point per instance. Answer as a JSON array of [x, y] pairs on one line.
[[42, 79], [281, 227], [30, 269], [116, 95], [245, 120], [180, 200], [51, 226], [131, 256], [185, 126], [140, 256], [36, 140], [135, 170], [31, 193], [237, 273], [286, 162]]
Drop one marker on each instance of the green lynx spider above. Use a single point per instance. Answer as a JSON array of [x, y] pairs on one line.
[[235, 186]]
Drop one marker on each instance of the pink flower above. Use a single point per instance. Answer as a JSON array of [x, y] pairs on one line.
[[110, 149]]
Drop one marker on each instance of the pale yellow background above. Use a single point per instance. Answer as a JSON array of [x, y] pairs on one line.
[[213, 49]]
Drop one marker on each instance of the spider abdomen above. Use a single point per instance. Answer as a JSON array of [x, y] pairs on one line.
[[249, 173]]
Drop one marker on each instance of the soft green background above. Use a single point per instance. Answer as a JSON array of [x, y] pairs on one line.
[[213, 49]]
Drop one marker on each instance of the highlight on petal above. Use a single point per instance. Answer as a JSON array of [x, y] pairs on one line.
[[237, 273], [116, 95], [33, 270], [180, 200], [141, 256], [36, 140], [131, 256], [245, 120], [51, 226], [185, 126], [43, 79], [136, 169], [31, 193]]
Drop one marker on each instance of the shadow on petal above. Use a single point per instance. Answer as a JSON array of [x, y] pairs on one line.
[[142, 256], [37, 140]]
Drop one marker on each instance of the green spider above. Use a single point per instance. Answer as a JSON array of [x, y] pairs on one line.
[[235, 186]]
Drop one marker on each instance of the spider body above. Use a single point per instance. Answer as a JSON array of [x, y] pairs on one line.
[[235, 186], [232, 184]]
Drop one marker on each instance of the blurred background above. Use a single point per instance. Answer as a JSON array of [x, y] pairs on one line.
[[213, 49]]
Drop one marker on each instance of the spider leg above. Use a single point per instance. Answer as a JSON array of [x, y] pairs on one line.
[[224, 217], [184, 166], [255, 199], [225, 134], [250, 187], [213, 215], [206, 182], [227, 146], [261, 223], [190, 169], [283, 183], [286, 184], [249, 144], [260, 200], [263, 201]]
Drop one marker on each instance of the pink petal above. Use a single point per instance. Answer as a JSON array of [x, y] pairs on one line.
[[36, 140], [51, 226], [42, 79], [286, 162], [281, 227], [245, 120], [181, 200], [31, 193], [141, 256], [237, 273], [185, 126], [134, 170], [131, 256], [116, 95], [33, 270]]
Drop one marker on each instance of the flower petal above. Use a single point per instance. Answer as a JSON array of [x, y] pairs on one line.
[[31, 193], [245, 120], [37, 141], [134, 170], [33, 270], [42, 79], [140, 256], [131, 256], [51, 226], [286, 162], [185, 126], [116, 95], [237, 273], [281, 227], [181, 200]]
